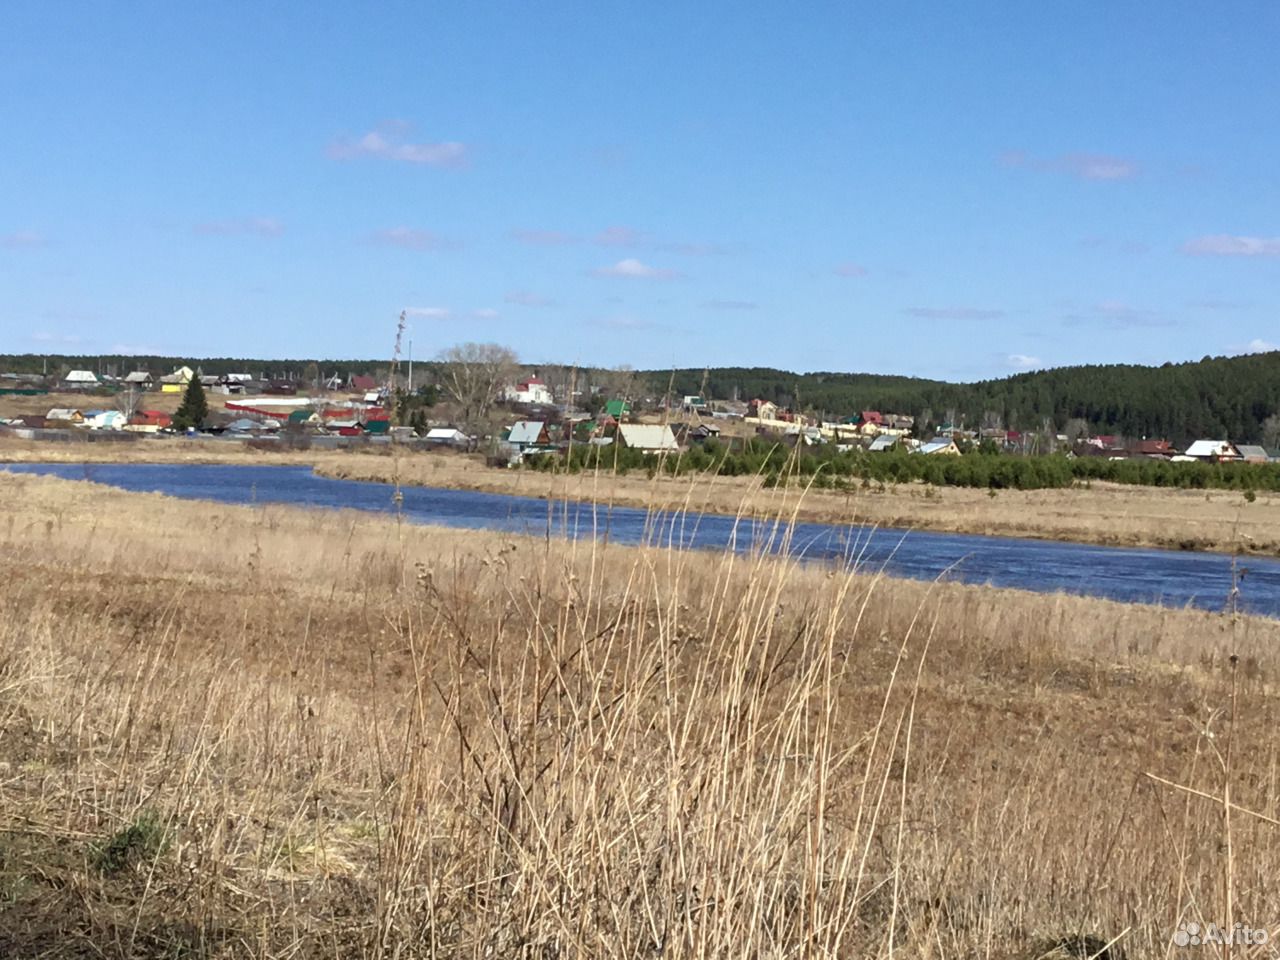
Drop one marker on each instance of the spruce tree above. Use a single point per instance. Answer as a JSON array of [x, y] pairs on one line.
[[194, 408]]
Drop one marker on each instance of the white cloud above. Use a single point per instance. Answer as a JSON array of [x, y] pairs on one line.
[[850, 270], [1086, 166], [241, 226], [484, 313], [634, 269], [411, 239], [386, 143], [630, 323], [20, 239], [527, 298], [1022, 361], [429, 313], [1226, 245], [954, 313], [1258, 345]]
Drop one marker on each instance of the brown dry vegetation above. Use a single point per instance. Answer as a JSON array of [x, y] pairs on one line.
[[1107, 514], [267, 732]]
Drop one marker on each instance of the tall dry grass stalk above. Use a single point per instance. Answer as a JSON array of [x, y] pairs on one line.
[[265, 732]]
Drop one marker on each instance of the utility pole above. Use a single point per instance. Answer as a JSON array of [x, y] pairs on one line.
[[410, 367]]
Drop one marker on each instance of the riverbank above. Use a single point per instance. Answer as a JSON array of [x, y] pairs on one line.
[[305, 732], [1103, 514]]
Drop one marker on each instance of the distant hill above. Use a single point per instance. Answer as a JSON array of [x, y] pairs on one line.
[[1232, 397]]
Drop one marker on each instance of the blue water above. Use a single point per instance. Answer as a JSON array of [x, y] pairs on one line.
[[1145, 576]]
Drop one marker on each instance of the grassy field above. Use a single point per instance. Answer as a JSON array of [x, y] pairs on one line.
[[1107, 514], [267, 732]]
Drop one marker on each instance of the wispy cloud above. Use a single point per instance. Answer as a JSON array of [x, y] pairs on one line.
[[543, 238], [1227, 245], [45, 336], [240, 226], [954, 313], [1022, 361], [411, 238], [1117, 314], [1258, 345], [20, 239], [729, 305], [138, 350], [429, 313], [388, 142], [1085, 166], [849, 269], [484, 313], [1218, 305], [634, 269], [619, 237], [527, 298]]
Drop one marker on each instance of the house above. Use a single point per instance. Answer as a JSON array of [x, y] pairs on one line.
[[177, 381], [447, 437], [363, 383], [80, 379], [529, 433], [63, 416], [247, 425], [281, 388], [883, 444], [149, 421], [105, 420], [693, 404], [140, 380], [651, 438], [532, 391], [702, 433], [1212, 451], [1252, 454], [617, 409], [1152, 449], [941, 447], [763, 410]]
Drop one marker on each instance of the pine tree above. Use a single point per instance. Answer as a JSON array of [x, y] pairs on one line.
[[194, 408]]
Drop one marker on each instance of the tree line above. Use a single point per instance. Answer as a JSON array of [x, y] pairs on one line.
[[1236, 398]]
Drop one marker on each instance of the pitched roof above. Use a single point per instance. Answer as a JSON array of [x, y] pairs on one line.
[[81, 376], [648, 436], [138, 376], [1211, 448], [1251, 452], [526, 431], [446, 433], [882, 443]]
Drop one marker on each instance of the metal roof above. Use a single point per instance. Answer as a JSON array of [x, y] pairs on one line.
[[647, 436]]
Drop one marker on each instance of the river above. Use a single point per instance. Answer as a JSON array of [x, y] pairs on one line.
[[1166, 577]]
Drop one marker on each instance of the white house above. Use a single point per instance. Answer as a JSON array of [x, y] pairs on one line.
[[105, 420], [649, 437], [1212, 450], [447, 436], [532, 391]]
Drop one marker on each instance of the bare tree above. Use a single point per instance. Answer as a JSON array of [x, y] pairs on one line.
[[473, 373], [1271, 431], [128, 400]]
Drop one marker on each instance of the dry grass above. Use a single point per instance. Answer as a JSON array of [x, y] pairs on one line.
[[265, 732]]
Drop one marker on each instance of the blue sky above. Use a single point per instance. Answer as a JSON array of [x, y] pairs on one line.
[[939, 189]]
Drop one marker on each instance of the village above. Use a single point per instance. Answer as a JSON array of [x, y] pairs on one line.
[[523, 417]]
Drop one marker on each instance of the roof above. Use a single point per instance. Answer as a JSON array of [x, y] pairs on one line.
[[1210, 448], [81, 376], [446, 433], [880, 444], [1251, 452], [63, 413], [935, 446], [138, 376], [616, 408], [526, 431], [646, 436], [364, 382]]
